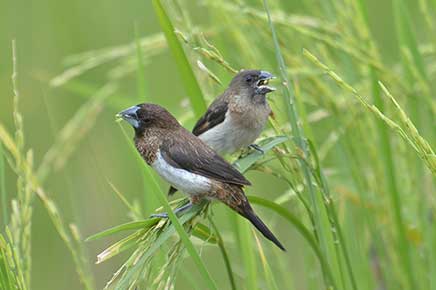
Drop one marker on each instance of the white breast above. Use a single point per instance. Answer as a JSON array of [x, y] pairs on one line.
[[230, 136], [181, 179]]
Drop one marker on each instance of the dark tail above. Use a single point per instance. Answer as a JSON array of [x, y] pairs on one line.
[[249, 214]]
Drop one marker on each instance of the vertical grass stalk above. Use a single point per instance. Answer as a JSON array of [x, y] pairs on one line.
[[289, 100], [187, 74], [224, 254]]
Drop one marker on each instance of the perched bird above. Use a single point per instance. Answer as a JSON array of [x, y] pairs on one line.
[[236, 118], [188, 164]]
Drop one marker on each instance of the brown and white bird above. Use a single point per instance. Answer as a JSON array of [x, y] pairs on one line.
[[188, 164], [236, 118]]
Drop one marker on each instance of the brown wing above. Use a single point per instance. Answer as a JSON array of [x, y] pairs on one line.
[[185, 151], [215, 115]]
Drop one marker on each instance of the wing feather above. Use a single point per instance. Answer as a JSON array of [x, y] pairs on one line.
[[193, 155], [215, 115]]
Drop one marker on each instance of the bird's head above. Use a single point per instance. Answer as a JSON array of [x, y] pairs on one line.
[[252, 83], [147, 116]]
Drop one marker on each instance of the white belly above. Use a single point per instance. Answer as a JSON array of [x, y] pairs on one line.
[[181, 179], [229, 136]]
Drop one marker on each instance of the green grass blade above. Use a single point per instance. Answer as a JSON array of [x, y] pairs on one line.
[[203, 232], [187, 74], [139, 260], [135, 211], [245, 246], [120, 246], [329, 204], [224, 254], [269, 277], [10, 276], [321, 222], [406, 34], [266, 145], [136, 225]]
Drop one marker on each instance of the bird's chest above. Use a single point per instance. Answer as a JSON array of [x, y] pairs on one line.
[[240, 128], [147, 146], [247, 124], [182, 179], [249, 118]]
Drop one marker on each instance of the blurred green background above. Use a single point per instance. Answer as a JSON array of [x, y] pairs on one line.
[[48, 33]]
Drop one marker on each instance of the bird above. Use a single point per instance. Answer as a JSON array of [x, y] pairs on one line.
[[189, 164], [236, 118]]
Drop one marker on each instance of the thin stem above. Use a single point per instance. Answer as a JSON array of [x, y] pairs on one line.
[[224, 254], [289, 102]]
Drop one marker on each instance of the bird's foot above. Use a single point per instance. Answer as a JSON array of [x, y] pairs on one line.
[[177, 211], [162, 215], [257, 148]]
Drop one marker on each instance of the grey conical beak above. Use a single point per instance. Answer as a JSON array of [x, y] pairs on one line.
[[130, 115]]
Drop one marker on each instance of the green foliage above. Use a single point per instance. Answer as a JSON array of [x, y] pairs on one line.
[[346, 181]]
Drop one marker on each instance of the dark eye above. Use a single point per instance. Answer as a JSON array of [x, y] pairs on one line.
[[146, 120], [249, 79]]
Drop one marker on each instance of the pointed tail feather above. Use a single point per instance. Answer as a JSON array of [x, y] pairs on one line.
[[249, 214], [234, 197]]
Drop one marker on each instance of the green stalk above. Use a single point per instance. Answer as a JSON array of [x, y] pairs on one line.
[[269, 277], [187, 74], [420, 113], [337, 233], [406, 36], [395, 196], [246, 248], [224, 254], [289, 102], [391, 182]]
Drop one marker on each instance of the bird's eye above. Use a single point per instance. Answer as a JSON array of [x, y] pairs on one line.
[[249, 79], [146, 120]]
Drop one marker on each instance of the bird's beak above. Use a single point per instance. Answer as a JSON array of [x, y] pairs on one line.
[[266, 75], [262, 83], [130, 116]]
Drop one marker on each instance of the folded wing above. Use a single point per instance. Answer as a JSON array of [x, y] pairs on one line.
[[215, 115], [196, 157]]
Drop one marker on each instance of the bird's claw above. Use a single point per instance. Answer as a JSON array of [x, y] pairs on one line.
[[162, 215], [257, 148], [177, 211]]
